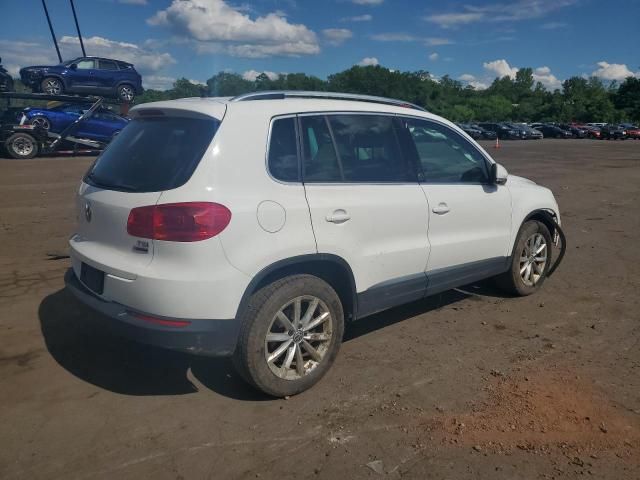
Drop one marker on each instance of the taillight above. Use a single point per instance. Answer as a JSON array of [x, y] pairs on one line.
[[178, 222]]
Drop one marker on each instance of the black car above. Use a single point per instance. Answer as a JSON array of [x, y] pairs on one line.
[[613, 132], [527, 132], [85, 76], [577, 132], [470, 130], [6, 80], [551, 131], [502, 130], [484, 133]]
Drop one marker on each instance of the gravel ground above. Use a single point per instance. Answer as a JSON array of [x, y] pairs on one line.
[[468, 384]]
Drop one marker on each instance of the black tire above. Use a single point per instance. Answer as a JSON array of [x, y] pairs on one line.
[[21, 146], [42, 121], [250, 355], [52, 86], [126, 93], [511, 281]]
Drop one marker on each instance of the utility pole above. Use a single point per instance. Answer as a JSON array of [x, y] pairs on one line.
[[75, 18], [53, 35]]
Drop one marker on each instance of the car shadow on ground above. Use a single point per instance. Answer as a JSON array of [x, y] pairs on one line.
[[125, 367]]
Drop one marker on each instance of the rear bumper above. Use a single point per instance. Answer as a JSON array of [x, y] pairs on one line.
[[201, 336]]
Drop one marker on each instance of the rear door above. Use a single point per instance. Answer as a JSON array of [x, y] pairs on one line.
[[366, 205], [106, 74], [469, 218]]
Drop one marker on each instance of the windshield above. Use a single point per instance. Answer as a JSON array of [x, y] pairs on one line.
[[153, 154]]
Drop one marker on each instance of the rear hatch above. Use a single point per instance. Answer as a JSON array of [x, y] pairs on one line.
[[157, 151]]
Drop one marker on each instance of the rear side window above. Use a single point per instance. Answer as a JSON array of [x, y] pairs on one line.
[[107, 65], [368, 149], [153, 154], [283, 150]]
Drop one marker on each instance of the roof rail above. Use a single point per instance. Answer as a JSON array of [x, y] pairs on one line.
[[282, 94]]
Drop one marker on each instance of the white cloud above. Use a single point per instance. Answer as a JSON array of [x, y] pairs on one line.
[[358, 18], [434, 56], [501, 68], [17, 54], [449, 20], [473, 81], [405, 37], [367, 2], [158, 82], [499, 12], [337, 36], [145, 61], [251, 75], [614, 71], [227, 29], [368, 61], [546, 78]]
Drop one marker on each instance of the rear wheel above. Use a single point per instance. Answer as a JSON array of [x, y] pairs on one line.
[[290, 336], [52, 86], [530, 260], [126, 93], [21, 146]]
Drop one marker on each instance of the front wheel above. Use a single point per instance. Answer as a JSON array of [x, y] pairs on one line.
[[530, 260], [21, 146], [41, 121], [290, 336], [52, 86]]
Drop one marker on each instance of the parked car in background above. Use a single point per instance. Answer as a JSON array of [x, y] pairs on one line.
[[6, 80], [552, 131], [612, 131], [592, 131], [85, 76], [529, 132], [575, 130], [633, 131], [501, 130], [101, 126], [470, 130], [484, 133]]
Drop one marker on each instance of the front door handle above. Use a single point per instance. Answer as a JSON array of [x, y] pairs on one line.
[[338, 216], [441, 209]]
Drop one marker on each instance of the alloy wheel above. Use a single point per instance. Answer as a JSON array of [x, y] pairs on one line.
[[52, 86], [126, 93], [533, 259], [298, 338], [42, 122]]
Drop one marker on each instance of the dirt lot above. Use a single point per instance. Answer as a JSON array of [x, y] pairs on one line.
[[468, 384]]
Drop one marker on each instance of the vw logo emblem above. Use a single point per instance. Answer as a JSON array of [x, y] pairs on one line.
[[87, 211]]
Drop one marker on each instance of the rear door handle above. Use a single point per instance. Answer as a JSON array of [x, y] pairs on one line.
[[338, 216], [441, 209]]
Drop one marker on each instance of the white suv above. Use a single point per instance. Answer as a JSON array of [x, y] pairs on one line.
[[256, 226]]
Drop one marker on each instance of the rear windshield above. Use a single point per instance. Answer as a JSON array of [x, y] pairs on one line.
[[153, 154]]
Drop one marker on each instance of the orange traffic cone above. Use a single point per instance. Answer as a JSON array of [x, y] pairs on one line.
[[497, 145]]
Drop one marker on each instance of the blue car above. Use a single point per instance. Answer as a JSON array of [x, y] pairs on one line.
[[86, 76], [101, 126]]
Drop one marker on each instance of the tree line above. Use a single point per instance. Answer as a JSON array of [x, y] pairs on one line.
[[507, 99]]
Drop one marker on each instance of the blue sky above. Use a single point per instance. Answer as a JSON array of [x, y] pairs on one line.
[[471, 40]]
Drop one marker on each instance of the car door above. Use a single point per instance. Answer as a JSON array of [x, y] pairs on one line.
[[469, 218], [83, 77], [106, 74], [366, 205]]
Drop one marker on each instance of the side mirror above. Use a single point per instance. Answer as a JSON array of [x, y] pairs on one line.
[[499, 174], [73, 66]]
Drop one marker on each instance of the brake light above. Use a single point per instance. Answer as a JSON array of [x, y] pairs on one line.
[[178, 222]]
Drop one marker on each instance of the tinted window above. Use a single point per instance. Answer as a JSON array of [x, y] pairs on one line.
[[283, 150], [445, 156], [85, 64], [368, 149], [320, 159], [153, 154], [107, 65]]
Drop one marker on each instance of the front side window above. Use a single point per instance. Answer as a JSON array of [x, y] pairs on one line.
[[283, 150], [445, 156], [85, 64]]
